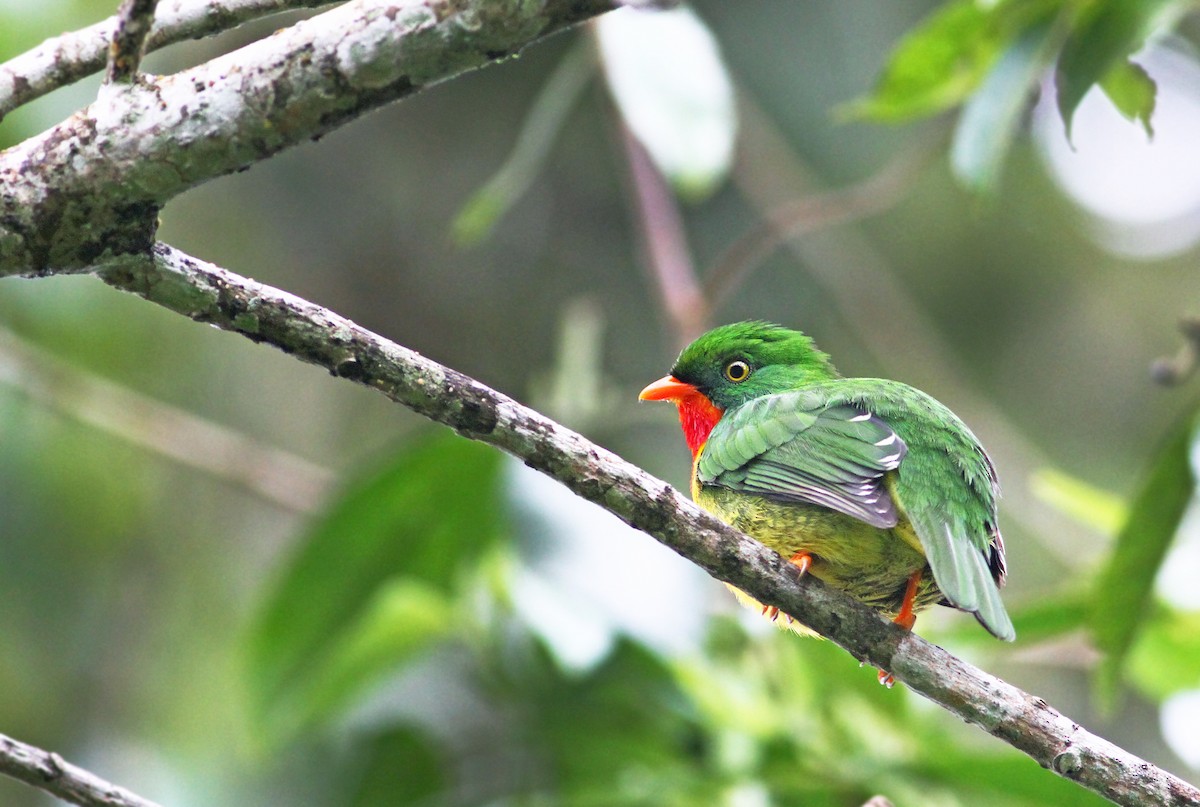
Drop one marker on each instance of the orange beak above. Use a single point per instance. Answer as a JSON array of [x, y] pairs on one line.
[[667, 388]]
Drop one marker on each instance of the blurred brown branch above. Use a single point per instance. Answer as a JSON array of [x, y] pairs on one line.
[[689, 298], [797, 217], [664, 241], [289, 481], [49, 772], [209, 294]]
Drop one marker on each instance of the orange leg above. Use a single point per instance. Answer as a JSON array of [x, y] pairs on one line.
[[803, 562], [906, 618]]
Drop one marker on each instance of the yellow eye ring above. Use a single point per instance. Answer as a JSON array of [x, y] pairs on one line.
[[737, 371]]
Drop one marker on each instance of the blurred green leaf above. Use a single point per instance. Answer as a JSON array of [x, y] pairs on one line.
[[989, 778], [402, 767], [404, 618], [1108, 32], [1122, 598], [669, 82], [989, 121], [391, 547], [935, 66], [1166, 657], [1102, 510], [1132, 92], [621, 734], [1046, 618]]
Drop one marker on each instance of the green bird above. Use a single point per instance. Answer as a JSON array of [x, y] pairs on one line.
[[868, 484]]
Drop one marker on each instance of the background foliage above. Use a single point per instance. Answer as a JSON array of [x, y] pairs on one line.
[[427, 623]]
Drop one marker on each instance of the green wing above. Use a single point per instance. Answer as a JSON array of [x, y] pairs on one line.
[[797, 447], [834, 444]]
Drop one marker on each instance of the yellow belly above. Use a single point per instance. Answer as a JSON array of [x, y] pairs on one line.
[[870, 564]]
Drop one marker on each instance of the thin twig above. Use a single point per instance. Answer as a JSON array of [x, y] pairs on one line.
[[878, 192], [664, 241], [49, 772], [134, 20], [65, 59], [277, 476], [209, 294]]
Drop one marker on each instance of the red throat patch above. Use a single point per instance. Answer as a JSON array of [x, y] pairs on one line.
[[698, 416]]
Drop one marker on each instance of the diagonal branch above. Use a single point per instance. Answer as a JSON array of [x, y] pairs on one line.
[[875, 194], [209, 294], [51, 773], [65, 59], [667, 257], [284, 479]]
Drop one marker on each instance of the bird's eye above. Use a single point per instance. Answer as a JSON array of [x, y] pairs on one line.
[[737, 371]]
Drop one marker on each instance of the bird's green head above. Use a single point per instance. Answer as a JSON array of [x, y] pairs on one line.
[[733, 364]]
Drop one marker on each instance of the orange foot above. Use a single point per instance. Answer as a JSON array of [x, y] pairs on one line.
[[905, 619], [803, 561]]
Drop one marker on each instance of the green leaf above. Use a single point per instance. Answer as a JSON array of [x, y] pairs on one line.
[[988, 778], [1045, 618], [402, 766], [669, 82], [1123, 594], [404, 618], [621, 734], [989, 121], [1166, 657], [391, 547], [1103, 38], [1132, 92], [934, 67], [1054, 616], [1101, 510]]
